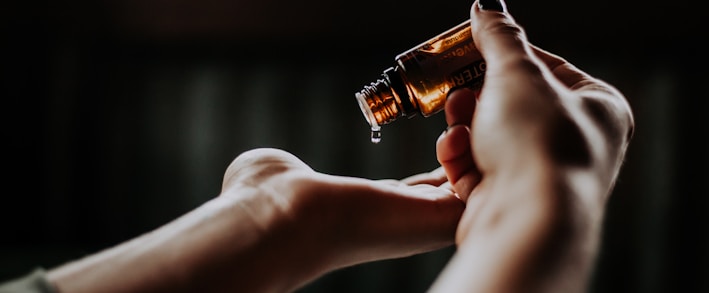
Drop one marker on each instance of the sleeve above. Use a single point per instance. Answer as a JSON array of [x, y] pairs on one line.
[[33, 282]]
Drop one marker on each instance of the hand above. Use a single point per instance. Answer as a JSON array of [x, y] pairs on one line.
[[333, 221], [276, 225], [535, 157]]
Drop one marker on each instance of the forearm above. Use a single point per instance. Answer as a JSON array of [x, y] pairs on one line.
[[213, 247]]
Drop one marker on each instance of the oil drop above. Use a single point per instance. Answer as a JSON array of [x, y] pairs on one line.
[[376, 134]]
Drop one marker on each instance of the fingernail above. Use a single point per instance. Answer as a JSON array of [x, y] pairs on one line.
[[491, 5], [445, 131]]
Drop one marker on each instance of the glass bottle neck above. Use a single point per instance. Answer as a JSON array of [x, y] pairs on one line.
[[378, 103]]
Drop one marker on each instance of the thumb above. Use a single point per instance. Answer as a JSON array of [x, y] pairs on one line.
[[496, 34]]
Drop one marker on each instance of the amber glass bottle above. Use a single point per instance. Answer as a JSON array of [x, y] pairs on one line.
[[422, 77]]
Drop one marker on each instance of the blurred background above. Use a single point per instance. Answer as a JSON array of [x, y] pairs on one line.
[[122, 115]]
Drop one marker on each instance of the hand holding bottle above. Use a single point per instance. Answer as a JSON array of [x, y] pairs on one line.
[[535, 157]]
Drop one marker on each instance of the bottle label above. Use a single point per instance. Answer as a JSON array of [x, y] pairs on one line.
[[436, 67], [458, 62], [470, 75]]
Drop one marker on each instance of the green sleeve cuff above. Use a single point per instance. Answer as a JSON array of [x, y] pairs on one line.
[[34, 282]]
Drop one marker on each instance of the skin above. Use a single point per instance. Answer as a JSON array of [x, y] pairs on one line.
[[527, 167], [276, 226], [535, 156]]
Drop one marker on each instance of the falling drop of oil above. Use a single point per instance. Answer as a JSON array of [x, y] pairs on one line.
[[376, 134]]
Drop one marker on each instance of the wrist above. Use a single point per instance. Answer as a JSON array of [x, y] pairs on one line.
[[242, 240], [257, 241]]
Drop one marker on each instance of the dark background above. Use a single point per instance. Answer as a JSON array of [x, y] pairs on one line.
[[122, 115]]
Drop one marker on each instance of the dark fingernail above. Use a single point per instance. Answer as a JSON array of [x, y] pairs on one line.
[[493, 5]]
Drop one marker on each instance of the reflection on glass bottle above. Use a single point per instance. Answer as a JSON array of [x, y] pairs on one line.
[[422, 77]]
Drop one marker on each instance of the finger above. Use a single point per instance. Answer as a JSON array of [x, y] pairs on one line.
[[384, 221], [564, 71], [573, 77], [460, 106], [427, 223], [435, 178], [447, 185], [453, 151], [497, 36], [453, 147], [519, 91], [602, 101]]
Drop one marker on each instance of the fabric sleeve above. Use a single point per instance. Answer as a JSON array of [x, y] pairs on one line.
[[33, 282]]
